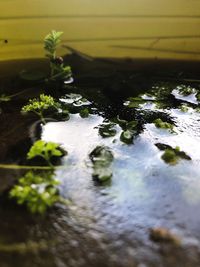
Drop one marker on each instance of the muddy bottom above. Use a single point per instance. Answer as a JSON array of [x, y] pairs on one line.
[[108, 223]]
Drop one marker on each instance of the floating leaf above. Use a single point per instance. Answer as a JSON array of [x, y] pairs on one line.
[[172, 155], [107, 130], [164, 125]]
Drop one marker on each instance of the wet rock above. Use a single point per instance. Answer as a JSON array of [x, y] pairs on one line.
[[164, 235]]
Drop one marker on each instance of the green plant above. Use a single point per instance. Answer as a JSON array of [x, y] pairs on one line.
[[46, 150], [185, 90], [184, 108], [101, 158], [172, 155], [37, 191], [164, 125], [84, 113], [58, 70], [130, 130], [107, 129], [38, 106]]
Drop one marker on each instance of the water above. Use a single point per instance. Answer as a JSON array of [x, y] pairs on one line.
[[108, 224]]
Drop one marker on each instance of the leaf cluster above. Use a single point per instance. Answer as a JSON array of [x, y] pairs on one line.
[[107, 129], [51, 41], [36, 191], [46, 150], [172, 155], [39, 105], [164, 125], [130, 130], [58, 70]]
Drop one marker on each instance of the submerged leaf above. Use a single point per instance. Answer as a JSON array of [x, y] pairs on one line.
[[101, 158]]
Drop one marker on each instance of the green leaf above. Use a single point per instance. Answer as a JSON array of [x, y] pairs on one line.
[[164, 125], [101, 158], [127, 137], [107, 130], [46, 150]]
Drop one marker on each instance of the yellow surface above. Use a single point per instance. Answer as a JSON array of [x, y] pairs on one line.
[[102, 28]]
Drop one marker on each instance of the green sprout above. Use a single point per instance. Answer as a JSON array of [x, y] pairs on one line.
[[36, 191], [58, 70], [38, 106], [45, 150]]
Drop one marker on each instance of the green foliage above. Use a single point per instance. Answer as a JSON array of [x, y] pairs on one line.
[[184, 108], [58, 70], [127, 137], [172, 155], [185, 90], [101, 158], [36, 191], [38, 106], [107, 130], [84, 113], [163, 125], [130, 130], [46, 150]]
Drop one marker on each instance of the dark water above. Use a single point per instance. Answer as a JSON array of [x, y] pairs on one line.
[[107, 224]]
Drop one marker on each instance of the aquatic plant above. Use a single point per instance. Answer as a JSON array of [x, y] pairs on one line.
[[37, 191], [184, 108], [185, 90], [101, 158], [84, 113], [130, 130], [107, 129], [163, 125], [45, 150], [172, 155], [38, 106], [58, 69]]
